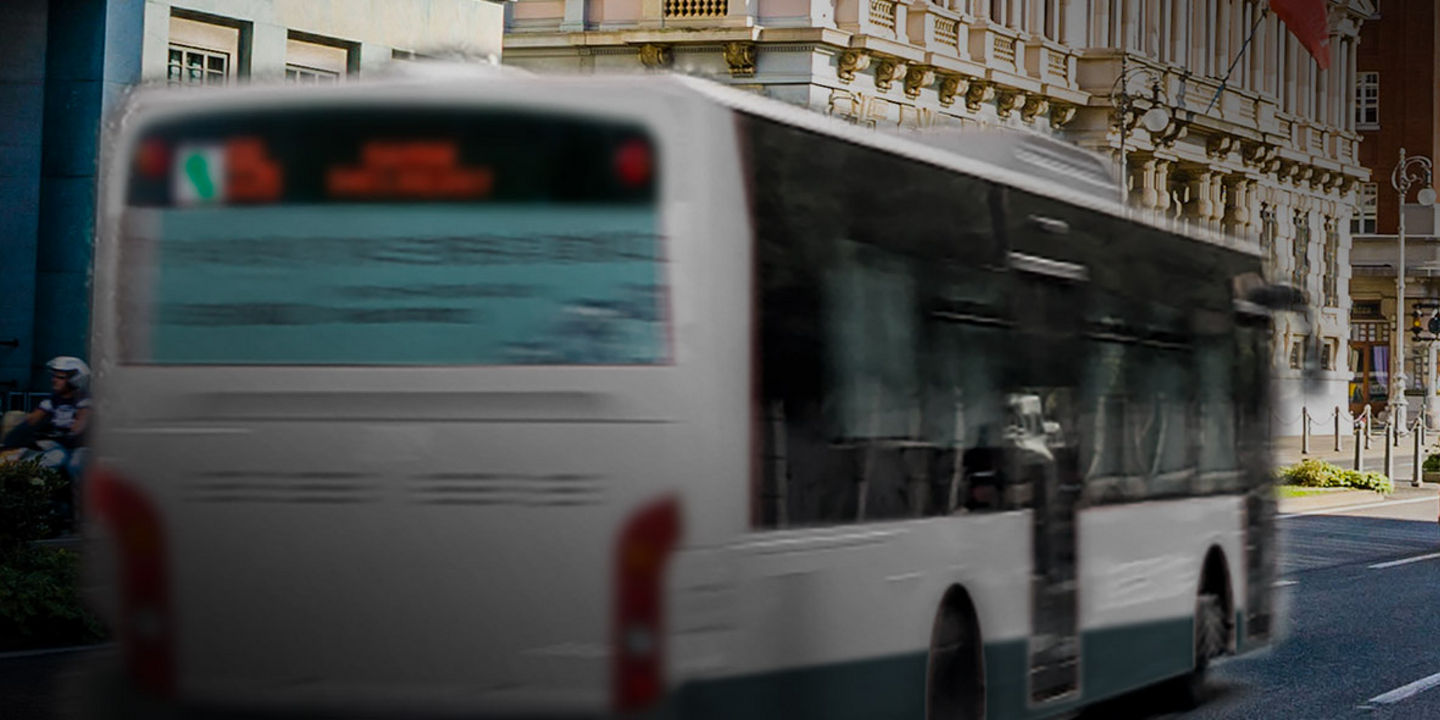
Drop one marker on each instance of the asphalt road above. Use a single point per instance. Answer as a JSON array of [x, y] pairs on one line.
[[1362, 641]]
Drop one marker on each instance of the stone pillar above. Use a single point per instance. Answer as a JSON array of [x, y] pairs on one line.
[[1149, 197], [1201, 198], [1238, 221], [1162, 183]]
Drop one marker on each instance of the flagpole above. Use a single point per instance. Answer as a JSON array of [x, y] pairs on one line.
[[1263, 12]]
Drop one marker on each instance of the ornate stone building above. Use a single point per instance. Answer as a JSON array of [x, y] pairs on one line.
[[1269, 155]]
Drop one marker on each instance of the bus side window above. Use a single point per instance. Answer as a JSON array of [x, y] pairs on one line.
[[870, 411]]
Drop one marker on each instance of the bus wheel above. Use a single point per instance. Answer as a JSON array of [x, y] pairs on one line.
[[1211, 638], [956, 685]]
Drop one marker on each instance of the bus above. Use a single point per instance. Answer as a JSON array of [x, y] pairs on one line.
[[648, 397]]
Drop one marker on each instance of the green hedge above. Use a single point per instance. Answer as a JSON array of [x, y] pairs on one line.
[[1320, 474], [39, 599]]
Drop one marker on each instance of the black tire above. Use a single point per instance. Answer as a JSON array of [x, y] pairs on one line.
[[956, 685], [1211, 639]]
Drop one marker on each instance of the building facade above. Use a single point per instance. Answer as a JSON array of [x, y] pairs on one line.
[[1256, 139], [1395, 108], [69, 62]]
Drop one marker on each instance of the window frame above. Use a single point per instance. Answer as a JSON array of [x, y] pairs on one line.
[[181, 79], [1367, 210], [1367, 100]]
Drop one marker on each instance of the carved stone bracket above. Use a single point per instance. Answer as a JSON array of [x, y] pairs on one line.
[[740, 56], [1008, 100], [1034, 105], [656, 56], [1219, 147], [950, 86], [1286, 171], [851, 62], [917, 78], [886, 70], [1061, 113], [980, 92]]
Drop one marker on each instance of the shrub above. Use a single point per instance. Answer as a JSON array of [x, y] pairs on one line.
[[30, 498], [1320, 474], [1432, 464], [39, 598], [1368, 481], [38, 601], [1312, 473]]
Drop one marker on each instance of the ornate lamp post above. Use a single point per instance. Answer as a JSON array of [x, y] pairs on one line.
[[1156, 119], [1410, 170]]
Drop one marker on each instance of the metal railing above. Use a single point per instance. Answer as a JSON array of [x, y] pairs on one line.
[[1363, 428]]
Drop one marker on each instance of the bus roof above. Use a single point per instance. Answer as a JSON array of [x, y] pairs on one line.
[[1025, 161], [1022, 160]]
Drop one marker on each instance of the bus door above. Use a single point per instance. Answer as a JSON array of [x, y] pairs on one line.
[[1041, 446]]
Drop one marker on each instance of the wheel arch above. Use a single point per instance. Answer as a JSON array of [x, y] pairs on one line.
[[1216, 579], [958, 606]]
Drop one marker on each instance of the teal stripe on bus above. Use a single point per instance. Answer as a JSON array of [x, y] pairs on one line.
[[1115, 661]]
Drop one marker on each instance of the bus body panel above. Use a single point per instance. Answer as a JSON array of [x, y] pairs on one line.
[[349, 535]]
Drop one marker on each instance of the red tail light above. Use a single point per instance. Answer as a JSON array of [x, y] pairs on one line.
[[144, 623], [642, 553]]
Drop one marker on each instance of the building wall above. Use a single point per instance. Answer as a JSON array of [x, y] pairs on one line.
[[1276, 146], [1401, 45], [66, 63]]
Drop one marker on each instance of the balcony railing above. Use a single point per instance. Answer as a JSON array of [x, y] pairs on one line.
[[882, 13], [696, 8]]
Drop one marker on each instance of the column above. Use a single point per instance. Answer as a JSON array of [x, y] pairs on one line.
[[1349, 70], [1180, 10], [1149, 198], [1222, 37], [574, 20]]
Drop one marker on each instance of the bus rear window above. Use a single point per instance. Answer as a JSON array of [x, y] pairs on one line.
[[388, 237]]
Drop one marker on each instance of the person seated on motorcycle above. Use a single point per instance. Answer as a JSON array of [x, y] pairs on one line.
[[56, 429]]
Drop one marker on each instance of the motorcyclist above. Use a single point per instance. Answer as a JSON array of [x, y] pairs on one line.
[[55, 431]]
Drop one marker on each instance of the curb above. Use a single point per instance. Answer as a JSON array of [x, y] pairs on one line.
[[1327, 501]]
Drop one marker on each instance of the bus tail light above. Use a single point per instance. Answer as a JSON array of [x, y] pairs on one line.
[[642, 553], [144, 620]]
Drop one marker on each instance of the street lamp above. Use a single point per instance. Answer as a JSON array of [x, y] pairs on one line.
[[1410, 170], [1156, 119]]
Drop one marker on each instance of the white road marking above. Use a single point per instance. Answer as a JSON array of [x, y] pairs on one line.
[[1406, 561], [1366, 506], [1286, 583], [1401, 693]]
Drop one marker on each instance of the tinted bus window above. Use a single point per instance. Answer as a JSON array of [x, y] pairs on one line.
[[373, 237]]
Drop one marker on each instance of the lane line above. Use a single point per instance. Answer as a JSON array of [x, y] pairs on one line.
[[1406, 691], [1286, 583], [1348, 508], [1406, 561]]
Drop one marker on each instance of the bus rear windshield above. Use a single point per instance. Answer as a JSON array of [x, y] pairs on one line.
[[393, 237]]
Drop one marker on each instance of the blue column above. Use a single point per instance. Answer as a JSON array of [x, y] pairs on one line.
[[22, 102], [92, 53]]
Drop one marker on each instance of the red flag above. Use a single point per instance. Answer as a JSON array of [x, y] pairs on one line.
[[1309, 23]]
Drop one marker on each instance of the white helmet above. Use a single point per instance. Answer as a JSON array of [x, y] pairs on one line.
[[76, 372]]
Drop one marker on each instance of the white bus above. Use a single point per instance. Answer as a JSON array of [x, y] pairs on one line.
[[647, 397]]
